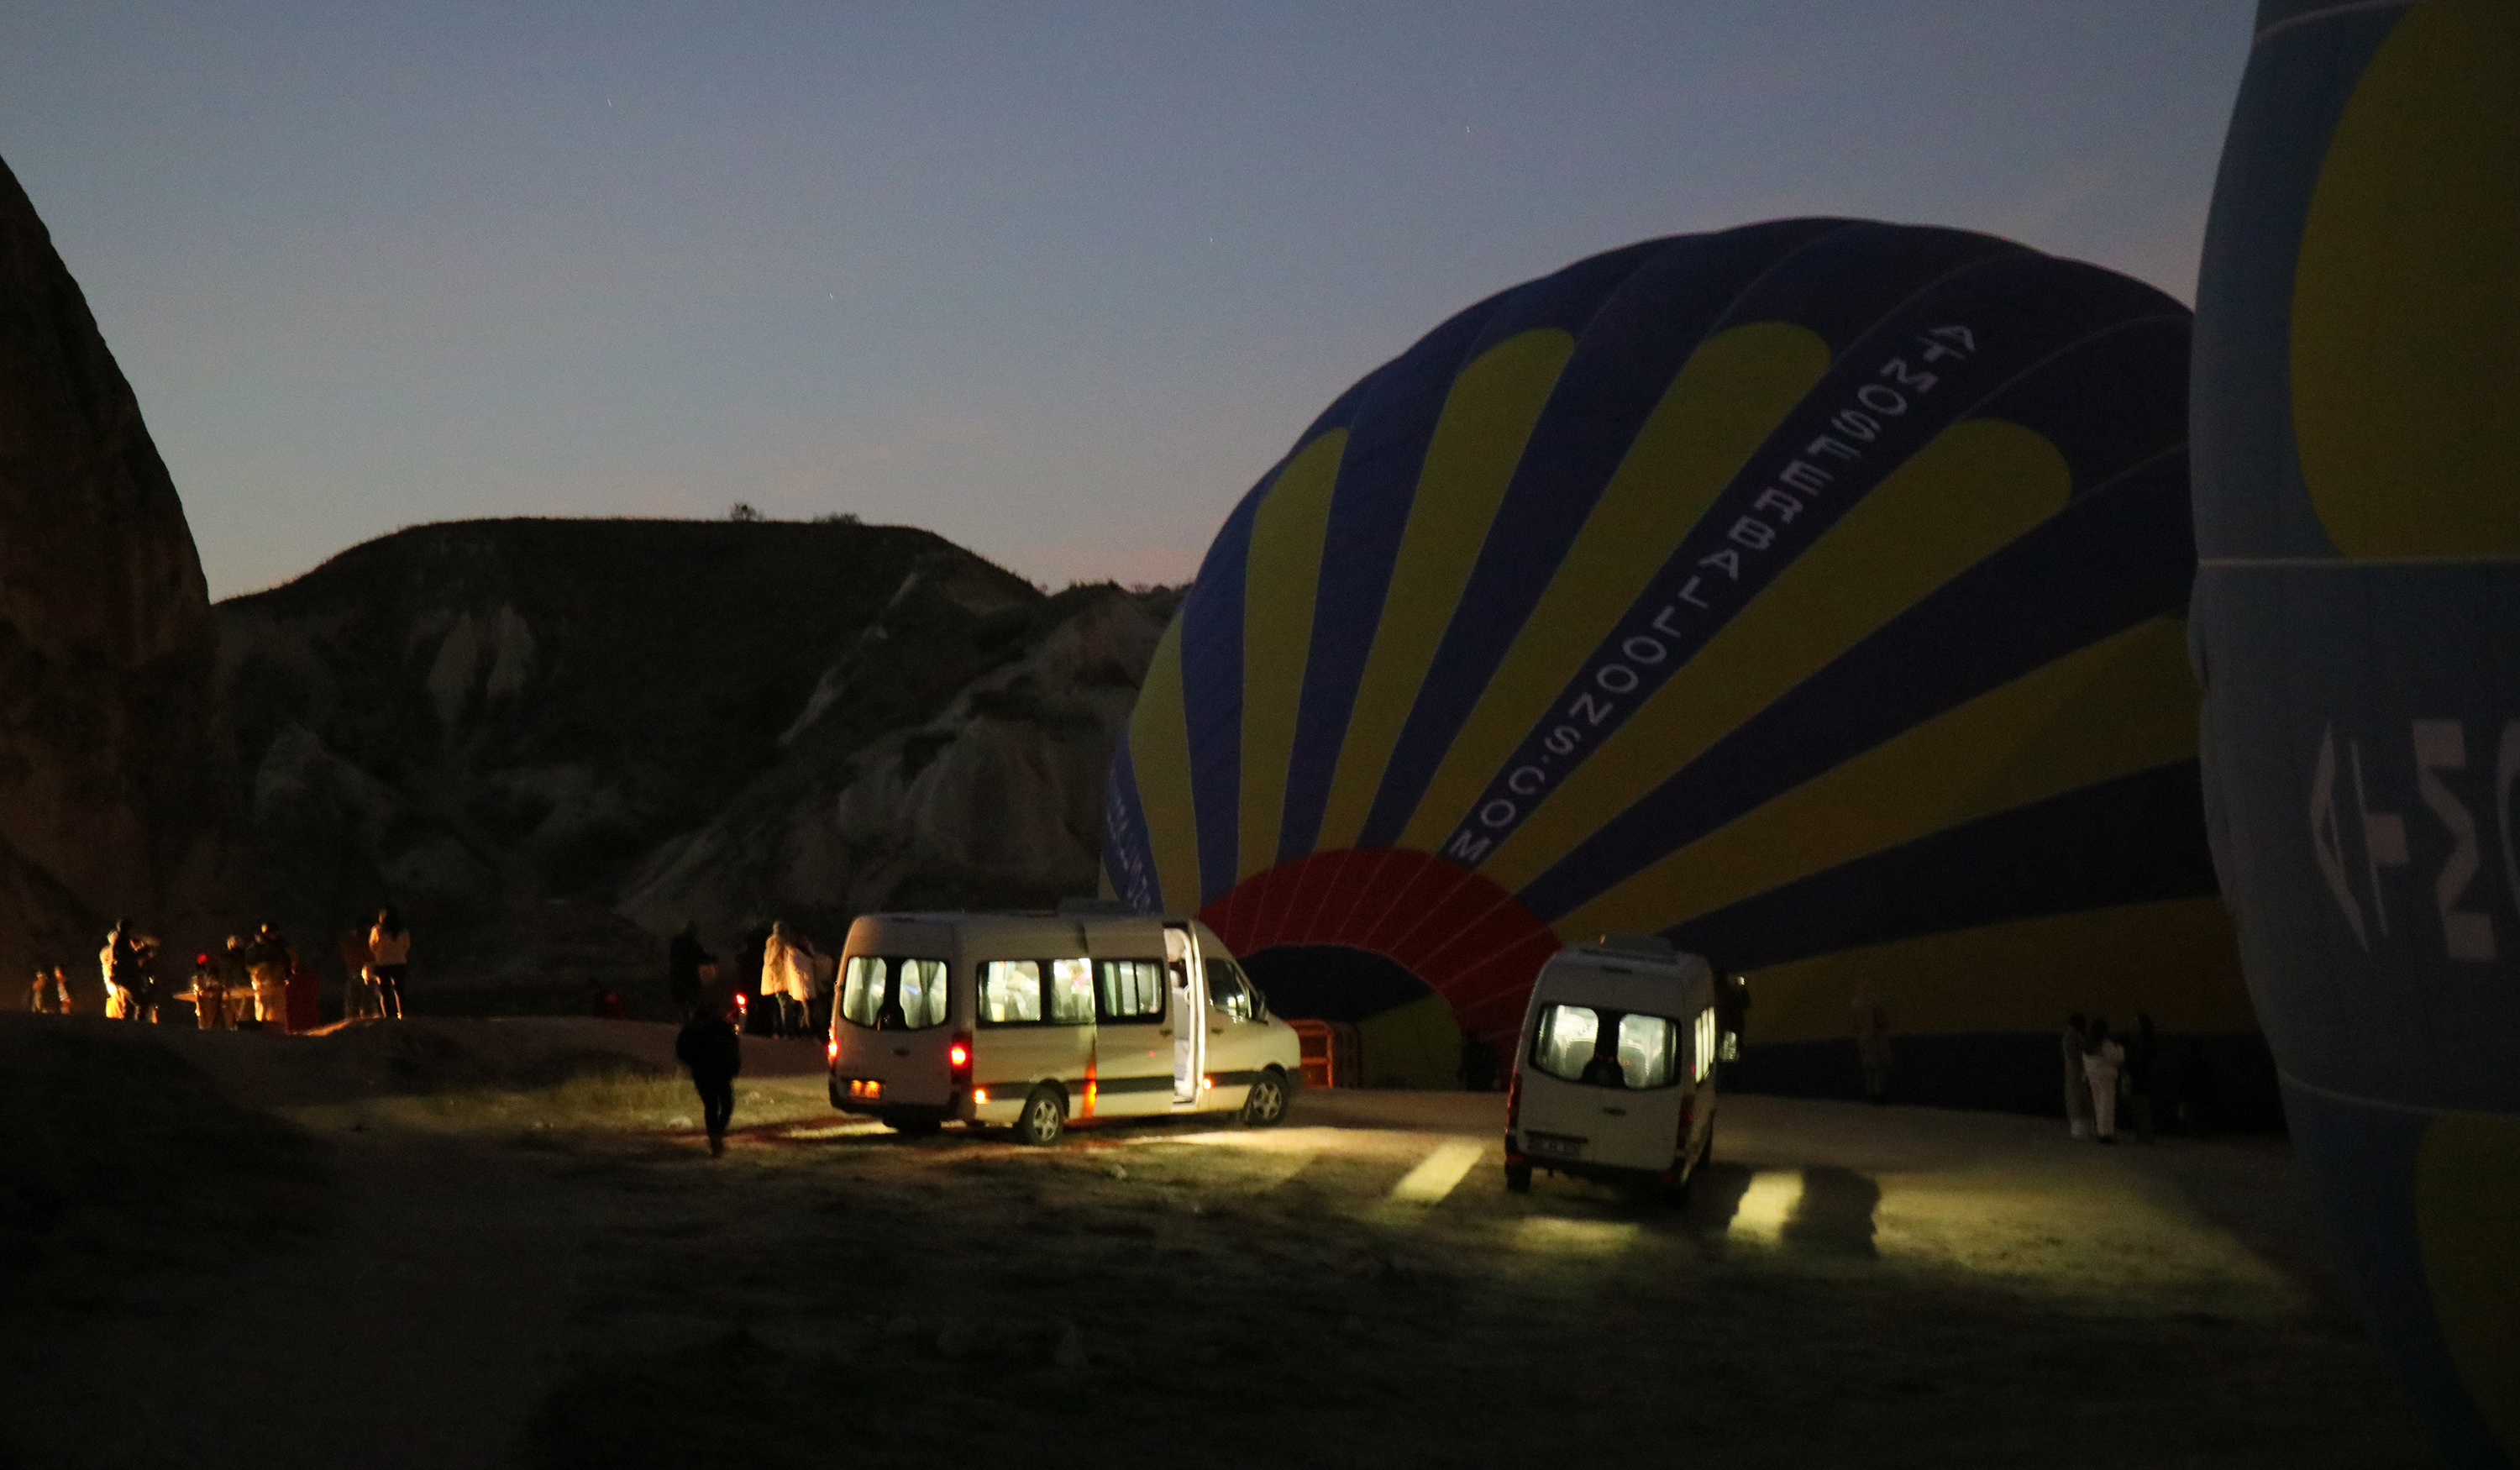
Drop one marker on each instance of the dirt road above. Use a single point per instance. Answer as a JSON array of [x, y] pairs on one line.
[[557, 1276]]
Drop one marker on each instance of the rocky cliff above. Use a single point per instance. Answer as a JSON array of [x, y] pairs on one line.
[[552, 742], [116, 790]]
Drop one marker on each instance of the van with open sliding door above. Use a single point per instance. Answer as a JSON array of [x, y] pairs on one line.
[[1614, 1078], [1035, 1022]]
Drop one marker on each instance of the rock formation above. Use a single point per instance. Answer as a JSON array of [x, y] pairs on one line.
[[116, 790], [552, 742]]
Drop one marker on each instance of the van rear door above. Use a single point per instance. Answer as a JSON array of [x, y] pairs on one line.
[[892, 1021]]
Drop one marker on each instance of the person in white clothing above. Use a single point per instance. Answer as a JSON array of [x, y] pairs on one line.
[[787, 977], [2102, 1056]]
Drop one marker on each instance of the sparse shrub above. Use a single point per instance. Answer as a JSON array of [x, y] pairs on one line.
[[742, 509]]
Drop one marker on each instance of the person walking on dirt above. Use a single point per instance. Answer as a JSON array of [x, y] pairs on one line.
[[389, 949], [51, 995], [709, 1048], [2102, 1059], [1872, 1041], [2078, 1087]]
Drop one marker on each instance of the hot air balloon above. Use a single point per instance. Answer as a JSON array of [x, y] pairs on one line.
[[2356, 402], [1811, 594]]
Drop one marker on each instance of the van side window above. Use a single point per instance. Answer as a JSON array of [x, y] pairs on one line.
[[913, 1001], [1130, 990], [1071, 992], [1228, 990], [1009, 992]]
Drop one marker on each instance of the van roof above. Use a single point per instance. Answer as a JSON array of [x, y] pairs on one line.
[[1677, 985], [1035, 934]]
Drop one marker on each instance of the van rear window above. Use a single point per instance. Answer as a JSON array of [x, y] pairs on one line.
[[893, 993], [1606, 1049]]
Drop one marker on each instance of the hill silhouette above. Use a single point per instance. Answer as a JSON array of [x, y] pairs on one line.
[[550, 741]]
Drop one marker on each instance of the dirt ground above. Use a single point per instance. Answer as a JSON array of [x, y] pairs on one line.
[[450, 1244]]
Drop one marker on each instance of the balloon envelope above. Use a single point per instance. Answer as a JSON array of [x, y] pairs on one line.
[[1810, 592], [2358, 611]]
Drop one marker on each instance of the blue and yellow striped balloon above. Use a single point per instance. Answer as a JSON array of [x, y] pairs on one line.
[[2357, 610], [1812, 593]]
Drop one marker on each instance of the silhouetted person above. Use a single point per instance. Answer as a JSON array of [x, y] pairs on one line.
[[359, 989], [1872, 1041], [149, 993], [50, 996], [2143, 1055], [270, 961], [1604, 1071], [233, 972], [1731, 1018], [684, 957], [2196, 1100], [390, 945], [114, 966], [708, 1046], [1478, 1065], [2101, 1059], [2078, 1084]]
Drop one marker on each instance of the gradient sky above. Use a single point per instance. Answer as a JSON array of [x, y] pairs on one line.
[[1060, 283]]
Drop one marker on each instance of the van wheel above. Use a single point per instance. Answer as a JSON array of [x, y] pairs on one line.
[[1517, 1178], [1266, 1103], [1043, 1119]]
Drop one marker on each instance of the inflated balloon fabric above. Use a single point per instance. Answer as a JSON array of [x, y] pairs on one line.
[[1810, 592], [2357, 610]]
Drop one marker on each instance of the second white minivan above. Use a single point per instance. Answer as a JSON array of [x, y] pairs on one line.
[[1037, 1020], [1614, 1077]]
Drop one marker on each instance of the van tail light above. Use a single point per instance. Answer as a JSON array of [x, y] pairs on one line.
[[832, 1052], [1688, 1116], [1514, 1100], [958, 1056]]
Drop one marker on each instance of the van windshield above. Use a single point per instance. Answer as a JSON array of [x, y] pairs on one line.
[[1603, 1048], [893, 993]]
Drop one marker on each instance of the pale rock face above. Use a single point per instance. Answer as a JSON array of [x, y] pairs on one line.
[[996, 799], [118, 791]]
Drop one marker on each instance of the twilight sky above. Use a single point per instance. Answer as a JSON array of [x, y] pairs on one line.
[[1058, 282]]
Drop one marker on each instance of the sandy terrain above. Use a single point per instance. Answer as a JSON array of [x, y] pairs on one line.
[[486, 1244]]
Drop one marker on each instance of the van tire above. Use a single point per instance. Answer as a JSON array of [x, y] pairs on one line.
[[1265, 1104], [1517, 1178], [1043, 1119]]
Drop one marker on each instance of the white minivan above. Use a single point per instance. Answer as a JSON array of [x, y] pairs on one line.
[[1614, 1079], [1039, 1020]]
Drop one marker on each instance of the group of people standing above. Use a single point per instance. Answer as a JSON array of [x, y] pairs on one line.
[[795, 982], [254, 981], [2100, 1069]]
